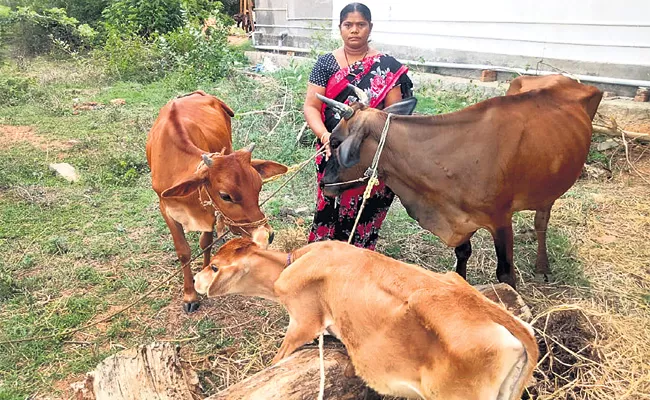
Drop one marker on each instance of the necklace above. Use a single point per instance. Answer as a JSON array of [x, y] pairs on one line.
[[348, 61]]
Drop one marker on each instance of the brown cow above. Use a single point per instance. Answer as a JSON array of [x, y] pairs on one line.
[[198, 177], [409, 332], [471, 169]]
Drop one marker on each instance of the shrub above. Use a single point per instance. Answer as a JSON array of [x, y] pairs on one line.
[[34, 32], [144, 17], [197, 56], [133, 58], [16, 90]]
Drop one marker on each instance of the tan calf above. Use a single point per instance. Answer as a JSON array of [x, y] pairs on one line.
[[409, 332]]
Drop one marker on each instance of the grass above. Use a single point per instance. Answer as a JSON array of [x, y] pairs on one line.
[[74, 253]]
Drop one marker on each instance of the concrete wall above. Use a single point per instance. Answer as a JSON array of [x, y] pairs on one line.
[[593, 37]]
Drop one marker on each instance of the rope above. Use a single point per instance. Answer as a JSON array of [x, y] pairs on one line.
[[372, 174], [372, 182], [71, 331], [321, 355], [296, 168]]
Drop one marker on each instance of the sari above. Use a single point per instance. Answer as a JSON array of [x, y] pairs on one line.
[[334, 217]]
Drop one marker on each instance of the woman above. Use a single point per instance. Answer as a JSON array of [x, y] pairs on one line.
[[385, 82]]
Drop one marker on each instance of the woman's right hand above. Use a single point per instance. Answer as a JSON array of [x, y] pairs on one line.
[[325, 140]]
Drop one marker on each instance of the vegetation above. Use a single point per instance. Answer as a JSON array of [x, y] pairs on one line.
[[73, 253]]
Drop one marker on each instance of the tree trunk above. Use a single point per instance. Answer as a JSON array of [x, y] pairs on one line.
[[153, 371]]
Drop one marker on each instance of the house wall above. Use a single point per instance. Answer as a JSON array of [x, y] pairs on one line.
[[592, 37]]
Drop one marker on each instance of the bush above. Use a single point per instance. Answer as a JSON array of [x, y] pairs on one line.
[[133, 58], [197, 56], [16, 90], [33, 33], [144, 17]]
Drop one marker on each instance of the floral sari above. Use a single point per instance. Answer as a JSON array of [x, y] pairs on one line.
[[335, 217]]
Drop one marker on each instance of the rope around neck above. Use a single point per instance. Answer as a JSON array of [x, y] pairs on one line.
[[371, 172]]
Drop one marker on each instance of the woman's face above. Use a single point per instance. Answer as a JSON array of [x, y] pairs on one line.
[[355, 30]]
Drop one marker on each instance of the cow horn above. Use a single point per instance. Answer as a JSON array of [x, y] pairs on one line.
[[361, 95], [207, 160], [345, 110], [250, 147]]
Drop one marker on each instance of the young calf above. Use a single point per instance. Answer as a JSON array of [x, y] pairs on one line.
[[409, 332]]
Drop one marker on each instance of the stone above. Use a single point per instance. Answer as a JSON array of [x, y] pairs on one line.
[[66, 171]]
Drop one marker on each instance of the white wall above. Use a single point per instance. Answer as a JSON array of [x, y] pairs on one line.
[[603, 31]]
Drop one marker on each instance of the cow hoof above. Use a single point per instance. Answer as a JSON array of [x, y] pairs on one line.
[[505, 278], [542, 277], [191, 307]]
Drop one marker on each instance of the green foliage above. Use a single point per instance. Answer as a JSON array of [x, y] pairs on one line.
[[133, 58], [126, 170], [15, 90], [33, 32], [198, 57], [144, 17]]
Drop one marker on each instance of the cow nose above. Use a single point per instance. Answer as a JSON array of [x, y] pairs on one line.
[[271, 237]]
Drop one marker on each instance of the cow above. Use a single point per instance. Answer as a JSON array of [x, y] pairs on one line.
[[409, 332], [455, 173], [201, 181]]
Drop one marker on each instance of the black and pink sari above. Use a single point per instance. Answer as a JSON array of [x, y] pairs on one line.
[[335, 217]]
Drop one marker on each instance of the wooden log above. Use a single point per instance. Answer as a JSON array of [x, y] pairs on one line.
[[153, 371], [297, 377]]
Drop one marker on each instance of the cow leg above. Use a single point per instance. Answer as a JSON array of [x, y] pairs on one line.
[[297, 335], [503, 243], [206, 245], [463, 253], [184, 253], [541, 223]]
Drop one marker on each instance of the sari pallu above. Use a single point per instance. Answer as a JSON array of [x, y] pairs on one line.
[[335, 217]]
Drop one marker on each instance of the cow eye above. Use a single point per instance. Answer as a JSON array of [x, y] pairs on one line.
[[225, 197], [214, 268]]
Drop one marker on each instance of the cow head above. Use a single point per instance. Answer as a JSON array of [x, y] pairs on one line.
[[239, 266], [233, 183], [359, 121]]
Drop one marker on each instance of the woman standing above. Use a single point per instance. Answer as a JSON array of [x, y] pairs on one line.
[[385, 82]]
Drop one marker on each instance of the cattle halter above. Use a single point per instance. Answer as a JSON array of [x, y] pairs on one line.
[[219, 215], [371, 172], [206, 160]]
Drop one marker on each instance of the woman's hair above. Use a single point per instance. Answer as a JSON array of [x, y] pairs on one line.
[[355, 7]]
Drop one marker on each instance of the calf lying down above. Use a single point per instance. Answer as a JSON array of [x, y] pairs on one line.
[[409, 332]]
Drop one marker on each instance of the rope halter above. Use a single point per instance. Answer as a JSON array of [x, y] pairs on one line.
[[218, 213], [370, 174]]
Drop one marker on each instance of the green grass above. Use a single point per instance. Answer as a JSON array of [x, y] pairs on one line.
[[70, 253]]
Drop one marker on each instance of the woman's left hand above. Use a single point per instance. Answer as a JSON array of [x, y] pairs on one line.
[[325, 140]]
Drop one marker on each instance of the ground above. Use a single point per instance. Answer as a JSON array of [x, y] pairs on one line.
[[72, 254]]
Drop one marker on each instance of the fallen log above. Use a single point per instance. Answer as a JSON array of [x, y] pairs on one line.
[[297, 377], [153, 371]]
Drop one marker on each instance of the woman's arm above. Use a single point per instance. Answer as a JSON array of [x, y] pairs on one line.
[[393, 96], [312, 112]]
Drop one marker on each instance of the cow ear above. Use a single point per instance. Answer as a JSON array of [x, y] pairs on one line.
[[186, 187], [349, 151], [261, 236], [404, 107], [268, 169]]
